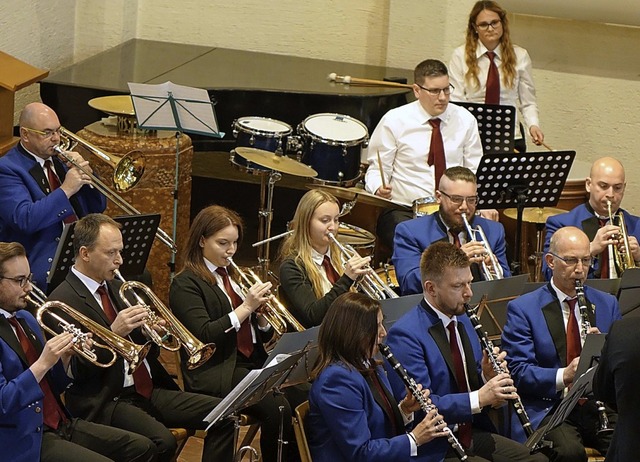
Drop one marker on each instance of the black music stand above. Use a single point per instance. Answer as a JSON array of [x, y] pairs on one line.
[[533, 179], [292, 343], [629, 293], [138, 232], [496, 125]]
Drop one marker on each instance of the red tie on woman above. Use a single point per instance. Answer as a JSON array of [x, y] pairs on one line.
[[464, 429], [436, 150], [141, 378], [54, 183], [492, 93], [53, 413], [574, 344], [332, 274], [243, 337]]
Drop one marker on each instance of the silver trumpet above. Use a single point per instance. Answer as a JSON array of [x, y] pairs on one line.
[[492, 270], [370, 283]]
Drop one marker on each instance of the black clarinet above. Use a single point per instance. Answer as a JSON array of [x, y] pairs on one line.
[[424, 405], [487, 345]]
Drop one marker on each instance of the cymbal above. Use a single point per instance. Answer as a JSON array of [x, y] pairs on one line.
[[273, 161], [534, 214], [359, 194], [115, 105]]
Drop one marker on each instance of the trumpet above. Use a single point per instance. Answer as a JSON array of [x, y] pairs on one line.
[[491, 270], [174, 334], [622, 257], [113, 343], [126, 177], [370, 284], [273, 311]]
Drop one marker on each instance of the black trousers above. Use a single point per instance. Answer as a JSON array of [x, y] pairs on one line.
[[486, 446]]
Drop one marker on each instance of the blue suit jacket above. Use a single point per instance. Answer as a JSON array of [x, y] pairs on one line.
[[582, 217], [419, 341], [347, 424], [535, 341], [21, 416], [412, 237], [33, 216]]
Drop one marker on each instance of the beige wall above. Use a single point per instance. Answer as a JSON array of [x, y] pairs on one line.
[[587, 74]]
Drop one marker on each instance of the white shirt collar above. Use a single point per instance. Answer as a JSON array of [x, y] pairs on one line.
[[481, 49], [89, 283], [211, 267], [560, 294], [6, 314], [318, 258]]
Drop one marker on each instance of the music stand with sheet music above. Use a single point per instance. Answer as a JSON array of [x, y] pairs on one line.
[[138, 232], [532, 179], [629, 292], [496, 125], [168, 106], [294, 342]]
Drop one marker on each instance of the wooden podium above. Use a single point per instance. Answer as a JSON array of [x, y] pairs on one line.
[[14, 75]]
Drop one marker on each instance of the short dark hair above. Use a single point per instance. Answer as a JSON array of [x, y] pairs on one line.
[[438, 257], [429, 68], [87, 230], [461, 174], [9, 250]]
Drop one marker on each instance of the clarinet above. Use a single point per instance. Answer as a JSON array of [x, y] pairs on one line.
[[487, 345], [424, 405]]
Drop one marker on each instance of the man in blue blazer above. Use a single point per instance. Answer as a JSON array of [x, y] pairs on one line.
[[439, 348], [540, 330], [34, 423], [457, 194], [32, 210], [606, 182]]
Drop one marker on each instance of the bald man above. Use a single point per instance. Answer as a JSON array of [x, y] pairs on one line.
[[39, 193], [606, 182], [538, 343]]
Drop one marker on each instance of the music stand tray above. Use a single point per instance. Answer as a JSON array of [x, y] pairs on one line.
[[496, 125], [629, 292], [591, 352], [291, 343]]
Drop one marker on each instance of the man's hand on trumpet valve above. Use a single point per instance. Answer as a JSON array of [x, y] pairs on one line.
[[606, 235], [129, 319], [56, 348], [75, 178], [475, 251], [634, 248]]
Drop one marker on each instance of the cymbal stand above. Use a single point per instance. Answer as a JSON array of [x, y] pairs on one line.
[[347, 207], [265, 217], [281, 441], [538, 255]]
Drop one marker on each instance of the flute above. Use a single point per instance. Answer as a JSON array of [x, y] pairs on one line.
[[424, 405]]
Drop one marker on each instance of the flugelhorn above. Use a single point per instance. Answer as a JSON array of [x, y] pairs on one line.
[[273, 310], [491, 270], [370, 283], [113, 343], [622, 257], [173, 334], [101, 186]]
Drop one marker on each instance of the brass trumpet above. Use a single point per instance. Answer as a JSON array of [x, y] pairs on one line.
[[113, 343], [174, 334], [273, 311], [622, 257], [491, 270]]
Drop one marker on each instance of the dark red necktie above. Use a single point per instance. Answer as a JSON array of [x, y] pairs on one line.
[[464, 429], [141, 378], [332, 274], [385, 400], [492, 93], [574, 345], [243, 337], [53, 412], [54, 183], [456, 239], [436, 150], [604, 256]]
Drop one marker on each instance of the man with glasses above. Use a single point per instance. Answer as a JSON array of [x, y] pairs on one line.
[[457, 194], [40, 193], [416, 143], [543, 341]]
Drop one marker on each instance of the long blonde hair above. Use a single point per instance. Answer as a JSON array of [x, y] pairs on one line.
[[298, 245], [508, 58]]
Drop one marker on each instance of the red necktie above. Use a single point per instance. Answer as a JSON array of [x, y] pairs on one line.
[[436, 150], [141, 378], [574, 345], [456, 239], [604, 257], [387, 404], [53, 412], [332, 274], [54, 183], [464, 429], [244, 340], [492, 93]]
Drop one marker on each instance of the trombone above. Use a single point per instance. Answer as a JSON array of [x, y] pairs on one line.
[[113, 343], [126, 179], [491, 270], [174, 334], [621, 256]]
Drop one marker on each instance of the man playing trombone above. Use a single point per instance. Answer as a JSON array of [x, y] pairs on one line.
[[35, 423], [39, 192], [457, 197], [147, 401]]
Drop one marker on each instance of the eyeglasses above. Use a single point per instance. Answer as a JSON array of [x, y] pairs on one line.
[[44, 133], [484, 26], [436, 91], [458, 200], [21, 280], [573, 261]]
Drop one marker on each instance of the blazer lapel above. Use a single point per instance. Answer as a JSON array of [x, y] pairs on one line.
[[88, 298], [37, 174], [387, 402], [9, 336], [590, 226], [472, 373], [552, 313]]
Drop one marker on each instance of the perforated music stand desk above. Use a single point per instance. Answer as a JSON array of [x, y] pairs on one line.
[[496, 125], [532, 179], [138, 232], [629, 292], [293, 342]]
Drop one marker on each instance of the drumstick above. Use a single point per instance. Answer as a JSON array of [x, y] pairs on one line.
[[384, 183], [347, 79], [546, 145]]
